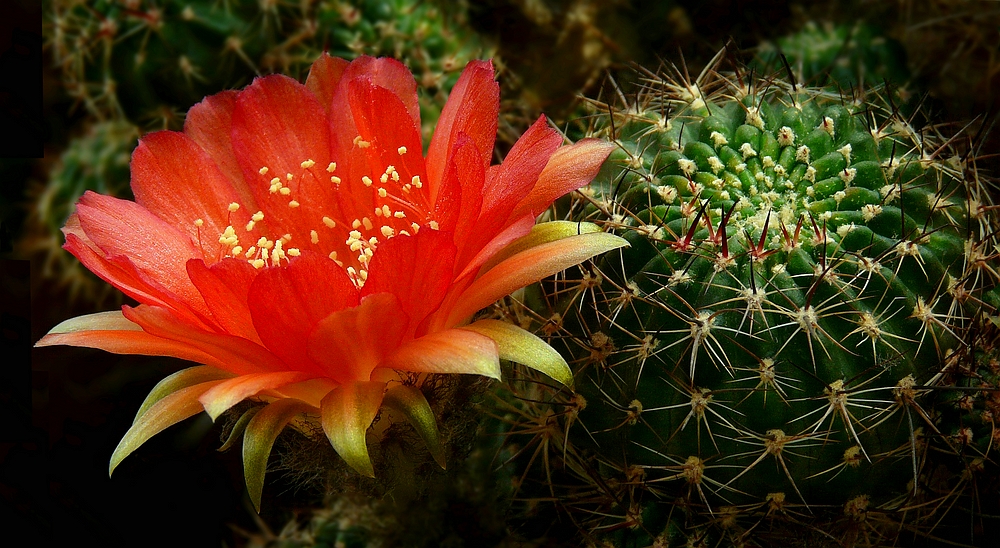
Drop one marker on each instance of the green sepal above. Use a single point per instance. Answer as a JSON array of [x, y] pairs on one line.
[[411, 403], [259, 437], [239, 428], [347, 412], [181, 379], [166, 411], [517, 345]]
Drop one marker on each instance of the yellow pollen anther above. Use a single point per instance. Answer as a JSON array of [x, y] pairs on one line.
[[293, 252], [415, 181], [249, 226], [398, 214], [356, 224], [313, 236], [387, 231], [378, 211], [236, 251], [335, 180], [250, 252], [307, 164], [263, 170], [382, 193], [366, 180], [434, 225], [373, 241], [395, 176], [333, 255], [358, 141], [330, 223], [401, 150], [293, 203], [332, 167], [285, 191], [199, 222], [258, 217], [289, 176], [386, 211], [233, 207], [368, 223], [415, 227], [257, 263], [262, 242], [384, 178]]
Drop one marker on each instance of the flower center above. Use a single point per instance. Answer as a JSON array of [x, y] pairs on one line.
[[337, 230]]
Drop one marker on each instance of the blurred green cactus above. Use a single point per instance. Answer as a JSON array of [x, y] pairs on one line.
[[150, 61], [848, 55]]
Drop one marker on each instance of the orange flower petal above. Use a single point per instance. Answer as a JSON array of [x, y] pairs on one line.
[[388, 73], [122, 274], [540, 234], [346, 413], [528, 267], [401, 268], [112, 332], [460, 193], [380, 117], [515, 231], [286, 304], [348, 344], [450, 351], [570, 168], [224, 395], [158, 250], [175, 179], [324, 75], [472, 109], [507, 183], [228, 352], [225, 286], [208, 123], [279, 124]]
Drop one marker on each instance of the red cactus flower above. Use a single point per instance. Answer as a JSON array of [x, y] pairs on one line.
[[295, 240]]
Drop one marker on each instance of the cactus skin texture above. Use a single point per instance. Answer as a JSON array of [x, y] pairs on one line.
[[800, 338]]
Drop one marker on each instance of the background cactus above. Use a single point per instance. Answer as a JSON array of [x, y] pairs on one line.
[[800, 333], [150, 61], [849, 55]]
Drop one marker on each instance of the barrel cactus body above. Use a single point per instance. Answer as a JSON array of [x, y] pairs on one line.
[[806, 278]]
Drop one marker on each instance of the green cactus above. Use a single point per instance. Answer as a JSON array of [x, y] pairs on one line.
[[849, 55], [150, 61], [797, 337]]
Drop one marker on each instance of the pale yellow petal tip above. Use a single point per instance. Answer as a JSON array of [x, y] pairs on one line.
[[520, 346], [411, 403], [360, 463]]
